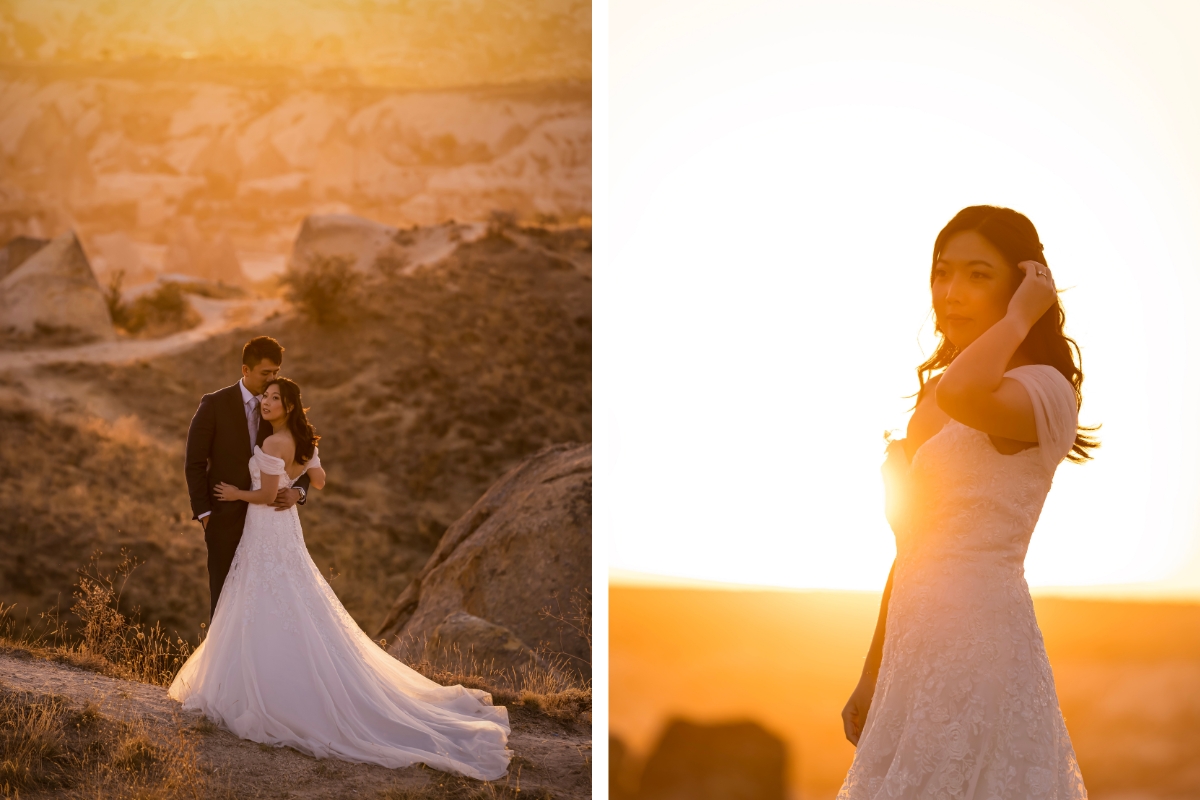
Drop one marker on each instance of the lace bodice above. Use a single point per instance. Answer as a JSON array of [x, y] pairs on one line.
[[964, 704], [262, 463], [972, 504]]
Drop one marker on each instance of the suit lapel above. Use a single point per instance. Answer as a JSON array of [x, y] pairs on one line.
[[238, 408]]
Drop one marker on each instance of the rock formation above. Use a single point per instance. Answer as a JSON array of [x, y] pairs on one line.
[[115, 253], [191, 253], [730, 761], [55, 289], [18, 251], [365, 245], [475, 639], [525, 546]]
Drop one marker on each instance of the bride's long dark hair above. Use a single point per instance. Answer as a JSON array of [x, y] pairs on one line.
[[303, 432], [1014, 236]]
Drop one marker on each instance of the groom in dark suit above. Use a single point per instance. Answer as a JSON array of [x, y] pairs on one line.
[[220, 442]]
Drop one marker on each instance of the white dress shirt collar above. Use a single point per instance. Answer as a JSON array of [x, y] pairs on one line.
[[246, 396]]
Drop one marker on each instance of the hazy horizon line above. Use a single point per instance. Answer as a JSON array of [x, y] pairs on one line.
[[1128, 592]]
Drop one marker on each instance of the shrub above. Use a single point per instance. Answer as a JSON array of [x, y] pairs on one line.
[[324, 289], [500, 221], [158, 313]]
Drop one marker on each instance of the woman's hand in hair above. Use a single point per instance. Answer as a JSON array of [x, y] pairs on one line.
[[1035, 295]]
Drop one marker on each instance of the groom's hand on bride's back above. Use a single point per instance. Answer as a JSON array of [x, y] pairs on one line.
[[286, 498]]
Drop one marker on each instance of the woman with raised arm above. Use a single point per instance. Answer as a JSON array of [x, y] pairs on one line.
[[284, 664], [956, 698]]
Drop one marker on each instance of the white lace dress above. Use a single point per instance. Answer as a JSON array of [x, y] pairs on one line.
[[284, 664], [965, 706]]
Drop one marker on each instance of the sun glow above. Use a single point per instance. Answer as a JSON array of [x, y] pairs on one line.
[[775, 210]]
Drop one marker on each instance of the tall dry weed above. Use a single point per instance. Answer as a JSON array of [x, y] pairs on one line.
[[578, 618], [106, 638], [135, 650]]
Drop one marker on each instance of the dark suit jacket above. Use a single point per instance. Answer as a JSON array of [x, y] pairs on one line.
[[219, 450]]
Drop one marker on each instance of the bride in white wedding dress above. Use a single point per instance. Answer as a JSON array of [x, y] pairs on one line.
[[956, 698], [285, 664]]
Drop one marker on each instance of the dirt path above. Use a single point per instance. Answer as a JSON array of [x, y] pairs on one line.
[[553, 758], [218, 316]]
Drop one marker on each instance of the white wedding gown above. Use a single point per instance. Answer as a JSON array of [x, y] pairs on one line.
[[285, 664], [964, 705]]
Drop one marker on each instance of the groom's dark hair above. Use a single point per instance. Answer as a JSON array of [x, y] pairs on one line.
[[261, 347]]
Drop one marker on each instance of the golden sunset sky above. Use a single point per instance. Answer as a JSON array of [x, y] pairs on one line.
[[779, 173], [412, 43]]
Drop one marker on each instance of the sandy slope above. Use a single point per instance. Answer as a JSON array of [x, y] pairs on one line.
[[552, 756], [218, 316]]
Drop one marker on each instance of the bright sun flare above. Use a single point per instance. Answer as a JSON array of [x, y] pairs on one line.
[[773, 225]]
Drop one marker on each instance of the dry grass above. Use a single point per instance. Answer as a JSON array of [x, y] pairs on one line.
[[447, 379], [47, 745], [450, 787], [554, 683], [104, 639], [70, 488], [547, 686], [113, 643]]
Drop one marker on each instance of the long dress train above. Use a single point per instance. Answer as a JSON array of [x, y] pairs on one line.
[[285, 664]]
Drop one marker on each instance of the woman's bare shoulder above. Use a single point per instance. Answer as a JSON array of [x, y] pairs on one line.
[[280, 445]]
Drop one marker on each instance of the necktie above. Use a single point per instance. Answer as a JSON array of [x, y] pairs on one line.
[[253, 422]]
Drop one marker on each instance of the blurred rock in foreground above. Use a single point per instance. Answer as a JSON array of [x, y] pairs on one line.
[[527, 541], [729, 761], [620, 770], [54, 290]]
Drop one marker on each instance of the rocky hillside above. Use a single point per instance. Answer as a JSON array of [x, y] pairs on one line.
[[150, 168], [512, 576], [433, 385]]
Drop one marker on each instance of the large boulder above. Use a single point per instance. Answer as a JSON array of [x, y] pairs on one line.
[[55, 289], [523, 549], [363, 245], [476, 641], [723, 761]]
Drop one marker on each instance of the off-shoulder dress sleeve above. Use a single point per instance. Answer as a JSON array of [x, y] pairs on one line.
[[269, 464], [315, 461], [1054, 410]]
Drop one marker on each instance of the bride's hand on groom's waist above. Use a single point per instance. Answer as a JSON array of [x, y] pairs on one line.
[[227, 492]]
